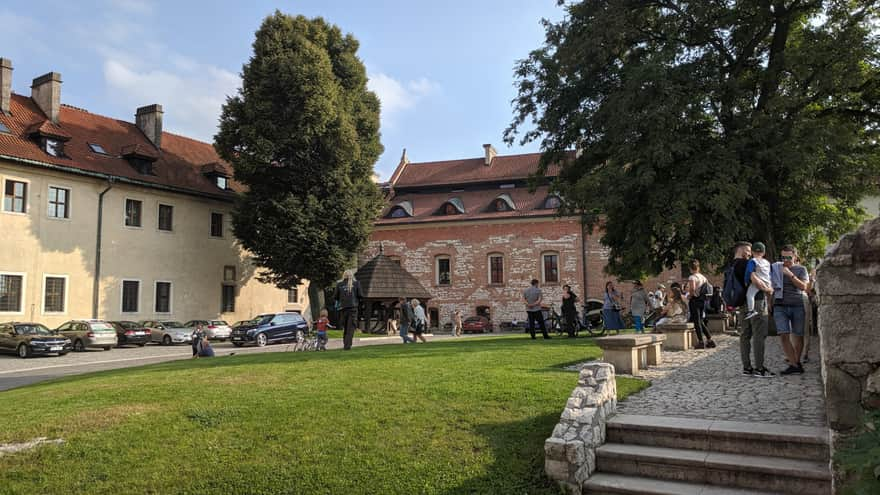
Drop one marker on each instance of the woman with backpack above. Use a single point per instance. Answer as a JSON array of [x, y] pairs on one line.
[[699, 288]]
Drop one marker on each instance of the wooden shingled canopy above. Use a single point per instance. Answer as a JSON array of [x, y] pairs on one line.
[[383, 281]]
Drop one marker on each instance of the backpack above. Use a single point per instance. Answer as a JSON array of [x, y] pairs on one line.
[[733, 292]]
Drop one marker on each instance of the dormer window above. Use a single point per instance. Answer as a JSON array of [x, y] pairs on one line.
[[449, 209], [141, 157], [552, 202], [398, 212], [500, 205], [222, 182], [216, 173], [453, 206], [49, 137], [4, 128], [53, 147], [503, 202], [401, 210]]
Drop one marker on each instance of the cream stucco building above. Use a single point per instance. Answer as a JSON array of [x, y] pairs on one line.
[[108, 219]]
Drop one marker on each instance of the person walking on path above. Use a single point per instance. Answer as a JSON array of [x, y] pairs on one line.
[[753, 331], [407, 317], [638, 305], [456, 323], [533, 298], [569, 311], [420, 321], [788, 309], [348, 297], [698, 288], [611, 308]]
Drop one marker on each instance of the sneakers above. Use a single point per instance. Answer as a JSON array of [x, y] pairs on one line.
[[699, 345], [793, 370], [764, 373], [710, 344], [748, 372], [750, 315]]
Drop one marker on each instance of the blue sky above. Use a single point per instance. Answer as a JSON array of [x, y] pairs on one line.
[[443, 70]]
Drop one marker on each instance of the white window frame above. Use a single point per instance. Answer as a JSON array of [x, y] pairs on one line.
[[159, 205], [170, 296], [437, 259], [66, 294], [558, 267], [69, 202], [27, 195], [125, 201], [489, 269], [222, 225], [122, 296], [23, 276]]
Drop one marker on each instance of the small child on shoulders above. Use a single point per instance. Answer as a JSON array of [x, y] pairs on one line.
[[321, 326]]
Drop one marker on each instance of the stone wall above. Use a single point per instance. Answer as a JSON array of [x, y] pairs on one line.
[[570, 453], [848, 283]]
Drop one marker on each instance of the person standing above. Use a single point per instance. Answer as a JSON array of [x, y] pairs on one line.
[[321, 326], [611, 308], [569, 311], [420, 321], [456, 323], [698, 287], [638, 304], [788, 309], [406, 319], [197, 336], [348, 296], [533, 298], [753, 332]]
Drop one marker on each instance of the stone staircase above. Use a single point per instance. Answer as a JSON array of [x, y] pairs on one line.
[[655, 455]]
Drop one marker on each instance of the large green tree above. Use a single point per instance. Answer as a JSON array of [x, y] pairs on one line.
[[700, 123], [303, 135]]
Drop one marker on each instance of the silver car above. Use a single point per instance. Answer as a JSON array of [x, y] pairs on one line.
[[214, 329], [89, 333], [167, 332]]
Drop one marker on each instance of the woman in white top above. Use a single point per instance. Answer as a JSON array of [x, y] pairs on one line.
[[421, 321], [697, 285]]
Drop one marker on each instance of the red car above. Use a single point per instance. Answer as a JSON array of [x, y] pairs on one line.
[[477, 324]]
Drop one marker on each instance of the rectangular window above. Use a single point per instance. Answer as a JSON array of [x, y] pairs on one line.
[[59, 202], [133, 213], [292, 296], [15, 199], [53, 296], [444, 276], [227, 304], [166, 217], [216, 225], [11, 291], [222, 182], [551, 268], [496, 269], [131, 291], [163, 297]]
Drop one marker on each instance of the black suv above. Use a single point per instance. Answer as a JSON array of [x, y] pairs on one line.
[[269, 328]]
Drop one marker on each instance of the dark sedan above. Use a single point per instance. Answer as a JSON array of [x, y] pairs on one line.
[[477, 324], [269, 328], [32, 339], [131, 333]]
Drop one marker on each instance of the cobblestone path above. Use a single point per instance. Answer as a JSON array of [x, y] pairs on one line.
[[708, 384]]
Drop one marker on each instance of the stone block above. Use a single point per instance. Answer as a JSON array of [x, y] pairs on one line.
[[575, 452], [560, 429], [842, 399], [872, 385], [556, 470], [655, 355], [573, 403], [554, 448], [849, 333]]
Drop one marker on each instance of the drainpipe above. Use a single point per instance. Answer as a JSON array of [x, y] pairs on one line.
[[96, 285], [584, 254]]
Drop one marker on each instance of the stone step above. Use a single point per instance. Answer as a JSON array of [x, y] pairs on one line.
[[716, 468], [789, 441], [608, 484]]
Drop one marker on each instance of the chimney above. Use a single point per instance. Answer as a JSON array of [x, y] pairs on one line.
[[5, 84], [490, 154], [46, 92], [149, 121]]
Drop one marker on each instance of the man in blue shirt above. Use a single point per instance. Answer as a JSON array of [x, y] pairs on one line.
[[788, 310]]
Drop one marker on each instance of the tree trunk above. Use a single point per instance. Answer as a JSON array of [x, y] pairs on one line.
[[316, 301]]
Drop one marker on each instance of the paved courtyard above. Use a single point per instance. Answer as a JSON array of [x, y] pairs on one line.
[[708, 384]]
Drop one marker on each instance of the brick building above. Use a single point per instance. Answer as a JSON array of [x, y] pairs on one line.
[[474, 236]]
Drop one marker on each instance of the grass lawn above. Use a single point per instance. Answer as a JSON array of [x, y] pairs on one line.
[[466, 416]]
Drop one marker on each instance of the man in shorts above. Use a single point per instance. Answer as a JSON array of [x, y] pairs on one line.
[[788, 309]]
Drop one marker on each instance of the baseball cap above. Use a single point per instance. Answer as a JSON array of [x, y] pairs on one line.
[[758, 247]]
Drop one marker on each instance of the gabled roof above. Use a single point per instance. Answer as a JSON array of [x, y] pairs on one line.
[[178, 165], [382, 278], [470, 170]]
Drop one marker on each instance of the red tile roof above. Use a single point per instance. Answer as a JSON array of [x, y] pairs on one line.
[[178, 166], [477, 204], [470, 170]]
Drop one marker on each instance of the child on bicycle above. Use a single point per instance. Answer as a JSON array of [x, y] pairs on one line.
[[321, 326]]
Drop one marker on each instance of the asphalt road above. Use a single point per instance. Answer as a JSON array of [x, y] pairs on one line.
[[17, 372]]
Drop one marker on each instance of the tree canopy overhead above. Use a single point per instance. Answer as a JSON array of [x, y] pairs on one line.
[[303, 135], [700, 123]]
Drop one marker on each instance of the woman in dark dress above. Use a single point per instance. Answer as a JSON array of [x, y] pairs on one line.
[[569, 312]]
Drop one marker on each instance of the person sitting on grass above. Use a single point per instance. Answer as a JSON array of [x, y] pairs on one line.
[[204, 348]]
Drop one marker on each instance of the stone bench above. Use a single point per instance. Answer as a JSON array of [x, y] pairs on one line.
[[717, 324], [679, 336], [629, 353]]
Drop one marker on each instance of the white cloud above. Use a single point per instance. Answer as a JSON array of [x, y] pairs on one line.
[[396, 96]]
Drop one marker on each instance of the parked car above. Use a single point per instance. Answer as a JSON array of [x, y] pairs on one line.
[[477, 324], [89, 333], [214, 329], [269, 328], [167, 332], [131, 333], [31, 339]]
